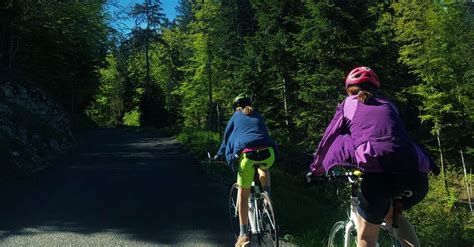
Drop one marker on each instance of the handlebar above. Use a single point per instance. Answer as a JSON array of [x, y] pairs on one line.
[[338, 175], [215, 158], [352, 176], [221, 160]]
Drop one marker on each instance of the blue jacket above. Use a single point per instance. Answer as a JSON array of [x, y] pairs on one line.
[[242, 132]]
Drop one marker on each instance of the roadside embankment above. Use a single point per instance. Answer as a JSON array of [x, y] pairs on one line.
[[33, 130]]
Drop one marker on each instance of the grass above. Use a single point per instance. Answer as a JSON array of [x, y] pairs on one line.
[[441, 218], [305, 214], [200, 142]]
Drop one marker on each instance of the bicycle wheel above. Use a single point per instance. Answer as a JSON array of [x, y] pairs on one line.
[[233, 210], [337, 235], [269, 235]]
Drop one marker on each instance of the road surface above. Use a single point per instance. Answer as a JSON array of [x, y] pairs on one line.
[[119, 189]]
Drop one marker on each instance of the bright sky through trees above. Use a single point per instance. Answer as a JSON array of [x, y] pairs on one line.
[[119, 7]]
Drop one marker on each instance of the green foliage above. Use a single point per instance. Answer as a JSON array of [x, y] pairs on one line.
[[136, 79], [290, 56], [205, 39], [442, 220], [108, 108], [58, 45], [305, 214], [200, 142], [435, 43], [131, 118]]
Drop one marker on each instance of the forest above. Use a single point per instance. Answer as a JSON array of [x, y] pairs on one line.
[[290, 56]]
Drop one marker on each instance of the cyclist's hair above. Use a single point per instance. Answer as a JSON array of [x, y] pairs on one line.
[[364, 91], [247, 110]]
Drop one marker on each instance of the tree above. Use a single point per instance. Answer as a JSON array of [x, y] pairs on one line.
[[434, 43], [149, 14], [109, 106], [57, 45]]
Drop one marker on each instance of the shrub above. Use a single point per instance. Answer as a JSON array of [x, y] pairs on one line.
[[200, 142], [440, 219], [132, 118]]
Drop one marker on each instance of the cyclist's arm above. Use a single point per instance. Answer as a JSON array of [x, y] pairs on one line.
[[227, 133], [334, 129]]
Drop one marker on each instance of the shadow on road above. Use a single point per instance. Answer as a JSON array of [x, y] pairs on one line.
[[119, 188]]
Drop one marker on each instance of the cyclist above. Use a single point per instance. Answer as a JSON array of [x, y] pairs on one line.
[[368, 133], [246, 137]]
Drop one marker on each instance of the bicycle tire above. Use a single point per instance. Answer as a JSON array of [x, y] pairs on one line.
[[269, 235], [233, 210], [337, 235]]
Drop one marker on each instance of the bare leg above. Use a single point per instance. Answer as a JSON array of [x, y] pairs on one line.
[[406, 232], [243, 198], [367, 233], [264, 176]]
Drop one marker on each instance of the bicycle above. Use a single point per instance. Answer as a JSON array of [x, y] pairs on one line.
[[344, 233], [262, 221]]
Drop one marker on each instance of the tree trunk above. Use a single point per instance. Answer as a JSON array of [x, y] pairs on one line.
[[219, 121], [443, 170], [285, 102], [209, 79], [147, 44], [170, 79], [466, 180]]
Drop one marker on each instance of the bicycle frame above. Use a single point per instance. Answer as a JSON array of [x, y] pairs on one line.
[[258, 208], [254, 213], [261, 217], [350, 224]]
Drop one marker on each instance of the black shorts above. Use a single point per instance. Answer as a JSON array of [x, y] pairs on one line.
[[378, 190]]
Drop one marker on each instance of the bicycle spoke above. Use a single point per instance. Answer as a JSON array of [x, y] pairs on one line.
[[269, 218]]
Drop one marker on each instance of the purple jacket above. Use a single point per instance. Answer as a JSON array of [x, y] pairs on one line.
[[370, 136]]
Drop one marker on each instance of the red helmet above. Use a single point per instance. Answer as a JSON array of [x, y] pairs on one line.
[[360, 75]]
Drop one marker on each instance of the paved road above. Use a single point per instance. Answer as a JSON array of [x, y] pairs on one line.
[[119, 189]]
